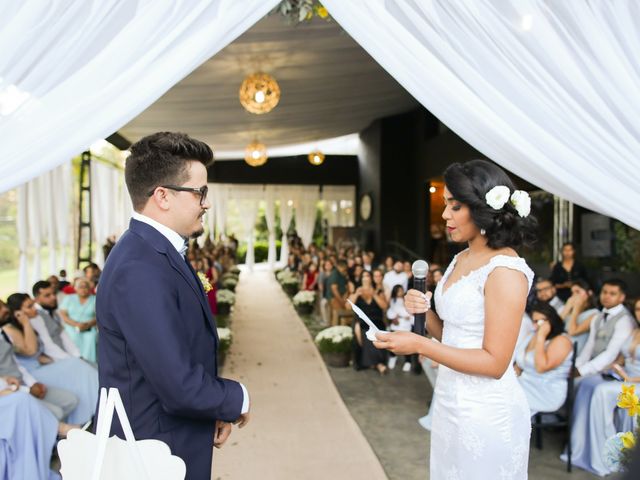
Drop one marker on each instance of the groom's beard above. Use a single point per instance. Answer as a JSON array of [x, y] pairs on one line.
[[197, 233]]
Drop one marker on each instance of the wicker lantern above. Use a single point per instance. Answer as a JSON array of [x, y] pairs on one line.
[[259, 93]]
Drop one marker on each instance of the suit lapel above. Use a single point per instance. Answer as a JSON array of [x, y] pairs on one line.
[[163, 246]]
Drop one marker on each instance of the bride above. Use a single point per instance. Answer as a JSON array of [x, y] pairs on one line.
[[481, 423]]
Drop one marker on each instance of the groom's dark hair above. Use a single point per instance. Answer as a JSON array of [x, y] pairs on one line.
[[161, 159]]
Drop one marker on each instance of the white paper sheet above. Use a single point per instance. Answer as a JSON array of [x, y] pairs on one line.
[[371, 333]]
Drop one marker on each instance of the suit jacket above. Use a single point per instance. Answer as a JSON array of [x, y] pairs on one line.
[[158, 344]]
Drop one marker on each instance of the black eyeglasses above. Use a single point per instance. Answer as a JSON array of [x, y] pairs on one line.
[[202, 191]]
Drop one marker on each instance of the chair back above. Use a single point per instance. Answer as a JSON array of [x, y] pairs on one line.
[[571, 381]]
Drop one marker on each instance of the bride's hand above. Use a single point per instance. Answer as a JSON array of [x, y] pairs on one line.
[[400, 343], [416, 301]]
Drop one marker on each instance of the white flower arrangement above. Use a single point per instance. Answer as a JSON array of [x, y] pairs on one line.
[[226, 338], [304, 297], [229, 282], [287, 277], [225, 296], [336, 339], [498, 196]]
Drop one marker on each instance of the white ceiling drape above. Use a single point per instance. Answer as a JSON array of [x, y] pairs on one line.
[[74, 71], [549, 90]]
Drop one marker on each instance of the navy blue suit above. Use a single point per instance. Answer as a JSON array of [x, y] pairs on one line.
[[157, 344]]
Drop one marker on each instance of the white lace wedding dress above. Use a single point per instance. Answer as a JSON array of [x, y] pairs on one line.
[[481, 426]]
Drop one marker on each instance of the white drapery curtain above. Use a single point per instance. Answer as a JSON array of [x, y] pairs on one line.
[[270, 217], [549, 90], [61, 201], [287, 199], [105, 202], [306, 208], [219, 195], [68, 60], [339, 205], [23, 237]]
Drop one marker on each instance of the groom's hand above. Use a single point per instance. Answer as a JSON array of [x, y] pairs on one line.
[[242, 420], [223, 430]]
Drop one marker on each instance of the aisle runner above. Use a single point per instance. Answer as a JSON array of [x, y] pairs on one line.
[[300, 428]]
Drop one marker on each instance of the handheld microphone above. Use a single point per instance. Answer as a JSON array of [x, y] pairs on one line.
[[420, 269]]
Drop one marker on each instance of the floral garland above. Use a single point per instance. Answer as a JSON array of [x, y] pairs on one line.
[[299, 11]]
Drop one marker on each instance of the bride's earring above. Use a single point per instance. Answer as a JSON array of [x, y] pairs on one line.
[[483, 232]]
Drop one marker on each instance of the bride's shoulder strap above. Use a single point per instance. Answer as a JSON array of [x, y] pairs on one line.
[[514, 263]]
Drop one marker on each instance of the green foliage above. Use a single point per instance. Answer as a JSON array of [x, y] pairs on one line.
[[260, 249], [627, 247]]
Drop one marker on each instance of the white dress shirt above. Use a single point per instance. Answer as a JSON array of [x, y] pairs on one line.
[[50, 347], [623, 329], [393, 278], [179, 243]]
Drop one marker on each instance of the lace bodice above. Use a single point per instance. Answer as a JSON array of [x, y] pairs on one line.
[[461, 305]]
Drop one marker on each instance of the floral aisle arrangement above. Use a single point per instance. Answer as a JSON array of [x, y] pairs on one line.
[[229, 282], [334, 344], [225, 299], [289, 281], [619, 447], [299, 11], [225, 339], [304, 302]]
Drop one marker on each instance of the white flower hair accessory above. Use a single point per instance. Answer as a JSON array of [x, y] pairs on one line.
[[522, 202], [497, 197]]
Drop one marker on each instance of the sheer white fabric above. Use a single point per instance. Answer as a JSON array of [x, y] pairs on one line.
[[481, 426], [549, 90], [286, 213], [248, 212], [306, 208], [339, 202], [270, 218], [21, 224], [76, 71]]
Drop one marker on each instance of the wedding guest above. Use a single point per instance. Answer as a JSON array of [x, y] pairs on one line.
[[71, 374], [310, 278], [59, 402], [609, 330], [546, 292], [373, 303], [543, 362], [395, 276], [323, 276], [27, 435], [407, 269], [378, 277], [566, 271], [367, 262], [387, 266], [337, 284], [211, 272], [357, 275], [579, 312], [49, 324], [399, 321], [594, 420], [79, 314], [63, 279]]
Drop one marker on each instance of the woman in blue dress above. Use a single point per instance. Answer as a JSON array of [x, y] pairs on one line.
[[543, 361], [72, 374], [578, 312], [78, 311], [27, 434]]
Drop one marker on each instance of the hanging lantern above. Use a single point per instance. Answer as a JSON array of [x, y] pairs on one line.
[[256, 154], [259, 93], [316, 157]]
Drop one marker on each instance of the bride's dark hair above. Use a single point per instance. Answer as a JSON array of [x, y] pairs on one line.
[[469, 183]]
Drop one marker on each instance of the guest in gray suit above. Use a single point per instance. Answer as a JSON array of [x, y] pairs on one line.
[[593, 414]]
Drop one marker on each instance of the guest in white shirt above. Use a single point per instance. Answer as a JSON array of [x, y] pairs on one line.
[[394, 277], [546, 292], [400, 321]]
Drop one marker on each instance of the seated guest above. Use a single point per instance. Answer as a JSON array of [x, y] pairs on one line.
[[610, 331], [310, 278], [399, 321], [58, 401], [71, 374], [546, 292], [78, 311], [367, 262], [337, 286], [396, 276], [373, 304], [63, 280], [579, 312], [543, 362], [566, 271], [27, 435], [49, 324]]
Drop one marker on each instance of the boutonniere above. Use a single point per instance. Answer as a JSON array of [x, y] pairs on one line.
[[205, 282]]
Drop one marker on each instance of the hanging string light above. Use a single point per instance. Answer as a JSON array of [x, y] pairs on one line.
[[316, 157], [259, 93], [255, 154]]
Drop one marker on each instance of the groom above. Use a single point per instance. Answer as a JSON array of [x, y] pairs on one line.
[[158, 339]]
